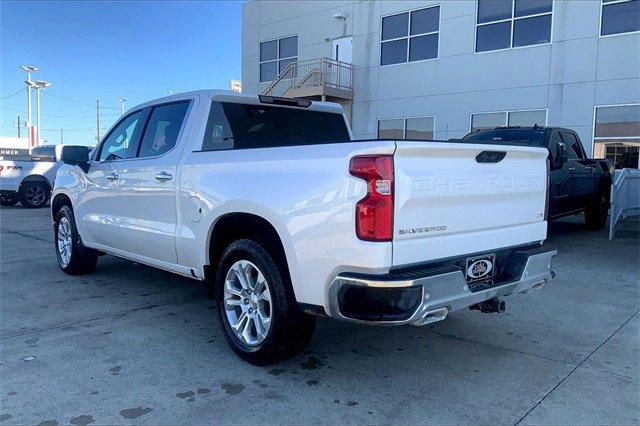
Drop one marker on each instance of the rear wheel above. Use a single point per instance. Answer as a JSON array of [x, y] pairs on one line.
[[8, 200], [595, 215], [35, 194], [256, 306], [73, 257]]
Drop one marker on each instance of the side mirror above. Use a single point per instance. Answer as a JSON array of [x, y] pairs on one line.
[[74, 155], [560, 156]]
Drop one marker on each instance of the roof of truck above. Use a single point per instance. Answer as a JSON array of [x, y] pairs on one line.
[[230, 96]]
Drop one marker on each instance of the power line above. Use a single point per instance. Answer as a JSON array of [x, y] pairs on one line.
[[75, 101], [13, 94], [61, 116], [69, 130]]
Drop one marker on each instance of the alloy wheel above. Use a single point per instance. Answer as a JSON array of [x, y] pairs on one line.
[[64, 241], [35, 195], [247, 303]]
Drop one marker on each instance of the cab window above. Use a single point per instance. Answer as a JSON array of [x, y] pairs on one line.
[[162, 131], [122, 142], [574, 150]]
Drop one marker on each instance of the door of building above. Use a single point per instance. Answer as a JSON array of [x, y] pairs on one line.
[[343, 49]]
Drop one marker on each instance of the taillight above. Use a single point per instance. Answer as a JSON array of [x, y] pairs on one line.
[[374, 213]]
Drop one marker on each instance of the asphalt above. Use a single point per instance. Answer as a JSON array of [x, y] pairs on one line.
[[130, 344]]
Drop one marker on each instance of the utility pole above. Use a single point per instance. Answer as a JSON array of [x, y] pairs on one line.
[[61, 138], [98, 121], [18, 127]]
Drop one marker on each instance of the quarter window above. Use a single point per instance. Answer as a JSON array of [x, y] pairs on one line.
[[275, 55], [410, 36], [163, 128], [502, 24], [415, 128], [491, 120], [620, 16]]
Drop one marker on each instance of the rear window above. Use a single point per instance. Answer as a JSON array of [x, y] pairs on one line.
[[242, 126], [508, 137]]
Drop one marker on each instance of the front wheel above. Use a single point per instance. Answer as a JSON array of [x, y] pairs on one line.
[[8, 200], [73, 257], [595, 215], [35, 194], [256, 306]]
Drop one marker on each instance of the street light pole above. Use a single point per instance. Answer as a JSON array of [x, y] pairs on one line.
[[29, 69], [122, 101]]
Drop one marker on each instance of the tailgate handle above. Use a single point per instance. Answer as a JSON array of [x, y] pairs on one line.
[[490, 156]]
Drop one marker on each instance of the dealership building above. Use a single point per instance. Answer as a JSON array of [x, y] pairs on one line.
[[439, 69]]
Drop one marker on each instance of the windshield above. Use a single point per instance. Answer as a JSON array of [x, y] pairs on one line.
[[527, 137]]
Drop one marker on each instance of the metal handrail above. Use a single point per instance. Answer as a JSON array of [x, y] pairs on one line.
[[324, 72], [625, 197]]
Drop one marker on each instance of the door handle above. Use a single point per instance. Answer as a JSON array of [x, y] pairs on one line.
[[163, 176], [572, 169], [112, 176]]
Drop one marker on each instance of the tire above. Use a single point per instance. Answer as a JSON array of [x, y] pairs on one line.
[[596, 213], [288, 330], [73, 257], [8, 200], [34, 195]]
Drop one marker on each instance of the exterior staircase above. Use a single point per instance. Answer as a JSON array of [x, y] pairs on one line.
[[317, 79]]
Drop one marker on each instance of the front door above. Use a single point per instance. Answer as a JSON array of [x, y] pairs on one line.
[[343, 49], [561, 181], [580, 168], [99, 209], [148, 186]]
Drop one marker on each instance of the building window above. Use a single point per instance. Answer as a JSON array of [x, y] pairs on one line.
[[275, 55], [616, 134], [490, 120], [416, 128], [620, 16], [410, 36], [503, 24]]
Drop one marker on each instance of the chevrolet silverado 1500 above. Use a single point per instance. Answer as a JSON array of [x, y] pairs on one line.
[[271, 202]]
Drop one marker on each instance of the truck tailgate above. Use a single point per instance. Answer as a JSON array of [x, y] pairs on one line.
[[448, 203]]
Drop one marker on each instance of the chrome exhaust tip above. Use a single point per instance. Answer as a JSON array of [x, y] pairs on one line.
[[433, 315]]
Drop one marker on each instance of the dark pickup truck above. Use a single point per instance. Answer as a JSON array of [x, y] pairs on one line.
[[577, 184]]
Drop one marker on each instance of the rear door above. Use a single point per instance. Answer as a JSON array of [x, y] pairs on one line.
[[148, 185], [452, 200]]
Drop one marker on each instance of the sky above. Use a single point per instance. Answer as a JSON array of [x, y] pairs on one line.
[[107, 50]]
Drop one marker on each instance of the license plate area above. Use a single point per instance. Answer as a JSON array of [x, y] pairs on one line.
[[481, 268]]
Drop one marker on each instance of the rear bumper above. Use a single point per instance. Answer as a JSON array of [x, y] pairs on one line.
[[427, 295]]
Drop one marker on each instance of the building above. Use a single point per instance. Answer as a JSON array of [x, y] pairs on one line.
[[439, 69]]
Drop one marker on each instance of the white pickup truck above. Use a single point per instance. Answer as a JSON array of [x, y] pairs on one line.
[[271, 202], [29, 178]]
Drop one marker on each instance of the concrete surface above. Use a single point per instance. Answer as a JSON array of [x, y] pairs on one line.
[[130, 344]]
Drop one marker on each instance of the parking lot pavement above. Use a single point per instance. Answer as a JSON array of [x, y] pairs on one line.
[[130, 344]]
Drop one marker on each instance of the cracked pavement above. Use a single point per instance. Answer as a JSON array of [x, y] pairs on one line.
[[131, 344]]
